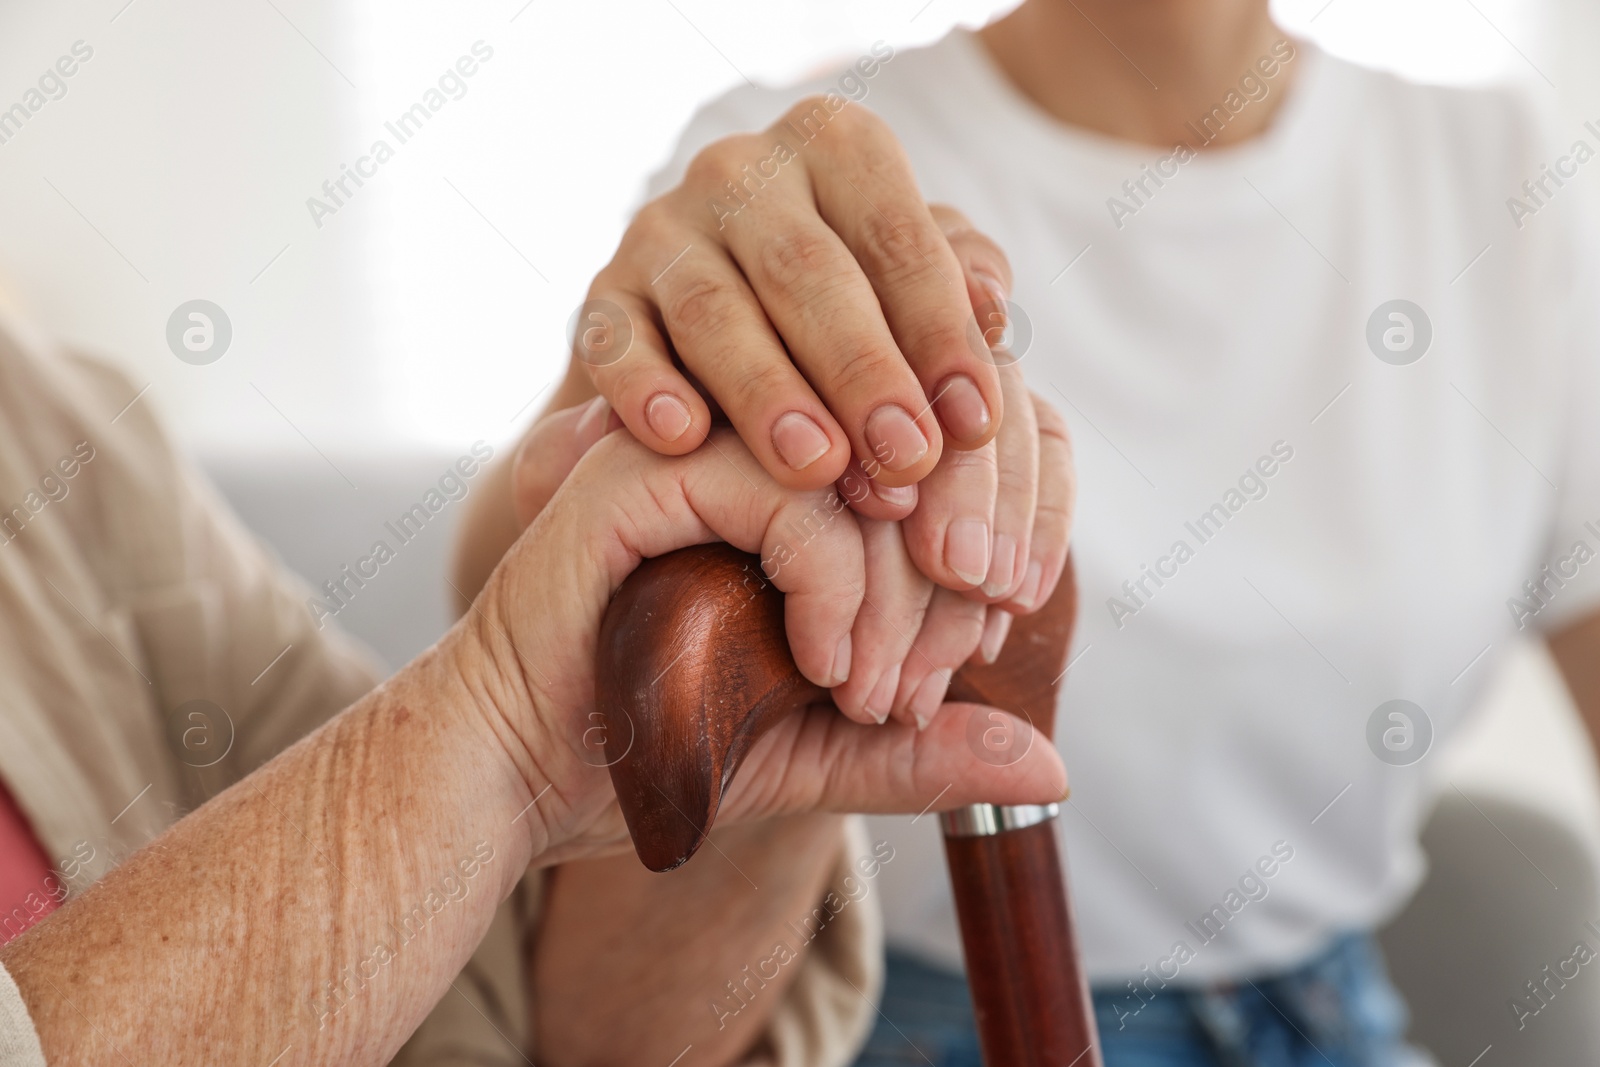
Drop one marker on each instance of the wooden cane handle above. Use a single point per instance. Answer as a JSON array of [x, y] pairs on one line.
[[694, 666]]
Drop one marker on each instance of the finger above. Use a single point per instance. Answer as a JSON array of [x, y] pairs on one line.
[[987, 273], [616, 343], [872, 499], [816, 762], [951, 630], [829, 318], [721, 333], [1052, 522], [996, 627], [550, 450], [809, 543], [867, 193], [892, 608], [1016, 496], [950, 534]]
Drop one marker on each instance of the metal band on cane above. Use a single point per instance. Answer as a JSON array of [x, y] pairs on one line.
[[986, 820]]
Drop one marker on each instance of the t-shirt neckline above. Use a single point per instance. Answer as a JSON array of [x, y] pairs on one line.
[[1077, 155]]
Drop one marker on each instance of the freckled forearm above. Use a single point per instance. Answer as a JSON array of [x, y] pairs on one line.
[[630, 964], [319, 907]]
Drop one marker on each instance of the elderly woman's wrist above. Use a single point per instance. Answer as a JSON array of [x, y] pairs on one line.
[[463, 676]]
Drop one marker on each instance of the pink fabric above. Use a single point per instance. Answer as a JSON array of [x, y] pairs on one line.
[[28, 886]]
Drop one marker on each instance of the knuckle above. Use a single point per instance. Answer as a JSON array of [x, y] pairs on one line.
[[758, 383], [718, 162], [896, 240], [854, 122], [972, 246], [1052, 516], [620, 451], [810, 104], [943, 332], [866, 372], [703, 305], [1016, 480], [653, 225], [609, 282], [977, 463], [811, 114], [798, 260], [623, 384], [1052, 424], [722, 162], [962, 627]]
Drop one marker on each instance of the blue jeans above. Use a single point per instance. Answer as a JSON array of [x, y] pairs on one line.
[[1338, 1010]]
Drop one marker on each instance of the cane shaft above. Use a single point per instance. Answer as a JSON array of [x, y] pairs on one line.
[[1028, 990]]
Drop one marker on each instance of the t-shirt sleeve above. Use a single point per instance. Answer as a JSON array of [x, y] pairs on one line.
[[1566, 580]]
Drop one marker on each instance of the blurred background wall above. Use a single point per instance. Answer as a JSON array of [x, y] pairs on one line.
[[433, 305], [374, 344]]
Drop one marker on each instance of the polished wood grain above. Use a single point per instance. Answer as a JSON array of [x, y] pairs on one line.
[[1028, 989], [1025, 677], [693, 668]]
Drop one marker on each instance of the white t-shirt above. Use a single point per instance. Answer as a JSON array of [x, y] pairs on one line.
[[1355, 529]]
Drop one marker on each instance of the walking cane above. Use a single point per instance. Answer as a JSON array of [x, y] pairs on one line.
[[694, 667]]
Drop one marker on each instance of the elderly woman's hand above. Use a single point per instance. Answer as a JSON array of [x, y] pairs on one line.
[[530, 639]]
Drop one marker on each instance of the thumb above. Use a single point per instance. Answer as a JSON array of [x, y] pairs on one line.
[[819, 761]]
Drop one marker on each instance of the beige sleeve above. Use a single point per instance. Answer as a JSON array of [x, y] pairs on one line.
[[822, 1021], [277, 673], [19, 1042], [827, 1013], [219, 618]]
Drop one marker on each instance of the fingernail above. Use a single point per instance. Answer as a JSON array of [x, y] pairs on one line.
[[882, 698], [961, 408], [966, 549], [929, 695], [1028, 592], [591, 423], [799, 440], [896, 495], [668, 416], [1002, 565], [841, 662], [895, 438], [995, 629]]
